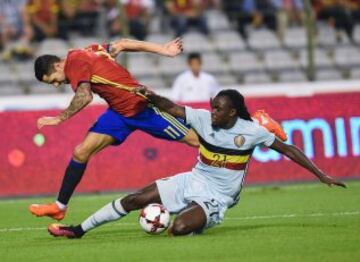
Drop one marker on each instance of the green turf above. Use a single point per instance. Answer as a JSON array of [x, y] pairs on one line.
[[288, 223]]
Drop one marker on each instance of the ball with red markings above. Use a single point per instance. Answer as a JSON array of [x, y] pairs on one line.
[[154, 218]]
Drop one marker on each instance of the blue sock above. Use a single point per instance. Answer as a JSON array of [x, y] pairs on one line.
[[72, 178]]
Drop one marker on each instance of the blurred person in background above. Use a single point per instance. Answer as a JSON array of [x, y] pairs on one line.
[[138, 14], [290, 12], [354, 6], [68, 10], [256, 13], [232, 8], [185, 14], [41, 19], [338, 14], [11, 21], [79, 16], [12, 29], [86, 17], [194, 85]]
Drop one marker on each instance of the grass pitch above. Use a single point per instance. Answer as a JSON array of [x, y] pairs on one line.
[[289, 223]]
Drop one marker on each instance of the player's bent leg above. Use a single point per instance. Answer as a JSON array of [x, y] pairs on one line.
[[92, 144], [113, 211], [191, 138], [190, 220], [142, 198]]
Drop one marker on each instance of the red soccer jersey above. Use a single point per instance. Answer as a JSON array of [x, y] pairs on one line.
[[107, 78]]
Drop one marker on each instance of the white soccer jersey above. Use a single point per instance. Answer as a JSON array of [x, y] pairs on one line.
[[225, 153]]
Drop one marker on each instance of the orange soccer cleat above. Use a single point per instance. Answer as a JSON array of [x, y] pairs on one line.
[[51, 210], [270, 124]]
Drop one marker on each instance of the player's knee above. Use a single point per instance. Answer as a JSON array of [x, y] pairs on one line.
[[133, 202], [180, 228], [81, 153]]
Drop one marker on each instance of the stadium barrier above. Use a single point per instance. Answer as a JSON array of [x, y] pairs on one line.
[[326, 126]]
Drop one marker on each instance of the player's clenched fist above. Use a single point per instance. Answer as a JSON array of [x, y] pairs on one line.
[[48, 121]]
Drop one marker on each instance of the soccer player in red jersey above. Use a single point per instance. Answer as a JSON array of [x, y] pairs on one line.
[[94, 70]]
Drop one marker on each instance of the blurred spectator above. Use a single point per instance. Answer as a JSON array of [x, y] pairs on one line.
[[41, 18], [290, 12], [14, 36], [68, 10], [11, 22], [138, 14], [185, 14], [233, 8], [194, 84], [257, 13], [338, 14], [294, 10], [86, 17], [354, 6]]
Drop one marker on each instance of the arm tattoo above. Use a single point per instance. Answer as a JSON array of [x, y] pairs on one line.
[[82, 97]]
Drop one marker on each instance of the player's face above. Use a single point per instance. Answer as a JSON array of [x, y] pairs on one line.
[[56, 77], [221, 111], [195, 65]]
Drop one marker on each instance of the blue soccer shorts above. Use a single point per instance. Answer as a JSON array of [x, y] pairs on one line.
[[151, 120]]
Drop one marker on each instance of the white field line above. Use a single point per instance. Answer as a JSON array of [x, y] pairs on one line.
[[345, 213]]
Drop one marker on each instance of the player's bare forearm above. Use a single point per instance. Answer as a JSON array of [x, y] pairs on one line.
[[171, 49], [296, 155], [166, 105], [83, 97]]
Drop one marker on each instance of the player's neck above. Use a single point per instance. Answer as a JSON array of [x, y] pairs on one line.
[[196, 74], [230, 124]]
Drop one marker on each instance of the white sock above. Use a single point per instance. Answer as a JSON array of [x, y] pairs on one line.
[[60, 205], [111, 212]]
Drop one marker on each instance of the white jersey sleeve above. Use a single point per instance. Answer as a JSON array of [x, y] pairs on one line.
[[262, 136], [199, 119]]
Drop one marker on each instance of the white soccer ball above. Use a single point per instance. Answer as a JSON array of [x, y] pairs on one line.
[[154, 218]]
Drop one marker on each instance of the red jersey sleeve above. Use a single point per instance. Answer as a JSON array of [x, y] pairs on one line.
[[78, 68]]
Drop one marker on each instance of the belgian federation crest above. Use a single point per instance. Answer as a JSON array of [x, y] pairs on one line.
[[239, 140]]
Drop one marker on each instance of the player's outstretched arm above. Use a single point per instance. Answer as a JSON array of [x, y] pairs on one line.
[[162, 103], [171, 49], [296, 155], [83, 97]]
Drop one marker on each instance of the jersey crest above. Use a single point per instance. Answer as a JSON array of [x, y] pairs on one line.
[[239, 140]]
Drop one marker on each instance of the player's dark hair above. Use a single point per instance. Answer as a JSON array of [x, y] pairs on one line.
[[194, 55], [44, 65], [238, 102]]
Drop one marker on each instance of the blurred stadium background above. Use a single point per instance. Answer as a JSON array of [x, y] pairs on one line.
[[240, 44], [299, 60]]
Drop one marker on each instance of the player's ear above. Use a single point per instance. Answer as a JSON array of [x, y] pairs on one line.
[[58, 66], [233, 112]]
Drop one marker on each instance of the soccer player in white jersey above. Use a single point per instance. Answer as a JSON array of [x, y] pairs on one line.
[[201, 197]]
